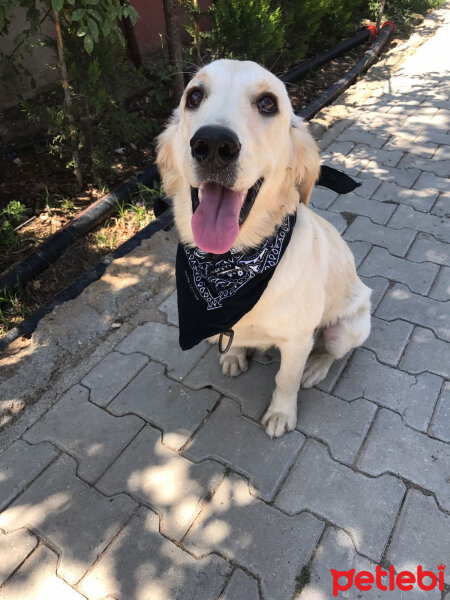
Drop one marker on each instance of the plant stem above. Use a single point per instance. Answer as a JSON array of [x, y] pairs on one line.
[[197, 32], [380, 13], [174, 47], [68, 99]]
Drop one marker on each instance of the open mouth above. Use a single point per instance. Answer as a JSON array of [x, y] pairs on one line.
[[218, 213]]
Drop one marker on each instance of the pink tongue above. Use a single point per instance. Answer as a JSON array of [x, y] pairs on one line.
[[215, 223]]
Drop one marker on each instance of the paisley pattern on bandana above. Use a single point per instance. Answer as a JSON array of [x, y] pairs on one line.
[[218, 277]]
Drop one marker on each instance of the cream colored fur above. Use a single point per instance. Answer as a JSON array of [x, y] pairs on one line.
[[315, 287]]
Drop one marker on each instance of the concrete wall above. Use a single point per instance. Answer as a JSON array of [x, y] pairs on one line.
[[37, 63]]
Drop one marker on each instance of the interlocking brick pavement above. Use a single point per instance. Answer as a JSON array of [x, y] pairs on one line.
[[150, 476]]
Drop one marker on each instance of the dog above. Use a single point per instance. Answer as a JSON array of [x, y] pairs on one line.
[[237, 162]]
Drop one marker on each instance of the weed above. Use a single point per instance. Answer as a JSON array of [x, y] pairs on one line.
[[12, 308], [302, 580], [10, 217]]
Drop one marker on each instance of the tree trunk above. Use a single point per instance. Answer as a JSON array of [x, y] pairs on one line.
[[174, 47], [68, 99], [133, 51]]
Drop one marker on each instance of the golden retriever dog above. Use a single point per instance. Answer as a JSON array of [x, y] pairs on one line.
[[235, 146]]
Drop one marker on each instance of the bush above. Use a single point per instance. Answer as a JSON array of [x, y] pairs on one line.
[[403, 11], [245, 29]]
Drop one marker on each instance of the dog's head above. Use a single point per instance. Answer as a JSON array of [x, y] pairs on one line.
[[234, 157]]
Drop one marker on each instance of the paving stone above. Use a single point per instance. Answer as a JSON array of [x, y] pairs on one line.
[[336, 551], [441, 286], [246, 530], [160, 342], [394, 447], [86, 432], [379, 286], [351, 165], [417, 278], [170, 406], [334, 218], [335, 492], [439, 167], [388, 340], [442, 153], [367, 187], [378, 212], [440, 424], [142, 564], [14, 548], [425, 352], [241, 587], [421, 200], [19, 465], [322, 197], [253, 388], [359, 251], [163, 480], [406, 216], [340, 148], [413, 396], [74, 518], [111, 375], [397, 241], [359, 136], [170, 307], [386, 156], [437, 137], [403, 177], [442, 206], [400, 302], [422, 535], [229, 437], [36, 580], [339, 424], [430, 181], [426, 247], [419, 147]]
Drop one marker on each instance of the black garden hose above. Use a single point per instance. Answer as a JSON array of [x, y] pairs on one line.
[[350, 77], [297, 73]]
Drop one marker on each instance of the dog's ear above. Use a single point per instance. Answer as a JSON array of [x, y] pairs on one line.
[[305, 158], [165, 156]]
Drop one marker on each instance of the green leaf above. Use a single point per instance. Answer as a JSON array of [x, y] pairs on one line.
[[57, 5], [95, 14], [93, 28], [78, 14], [133, 14], [106, 27], [92, 2], [82, 31], [88, 43]]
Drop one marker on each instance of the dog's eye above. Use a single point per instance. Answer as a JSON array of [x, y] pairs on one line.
[[267, 104], [194, 98]]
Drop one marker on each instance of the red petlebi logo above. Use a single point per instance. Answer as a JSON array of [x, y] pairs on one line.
[[404, 581]]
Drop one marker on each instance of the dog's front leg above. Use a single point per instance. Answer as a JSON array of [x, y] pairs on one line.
[[281, 415]]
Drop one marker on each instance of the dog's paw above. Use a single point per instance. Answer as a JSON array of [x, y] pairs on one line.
[[277, 421], [316, 369], [233, 364]]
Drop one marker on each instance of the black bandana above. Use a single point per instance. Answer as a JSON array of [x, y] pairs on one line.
[[216, 290]]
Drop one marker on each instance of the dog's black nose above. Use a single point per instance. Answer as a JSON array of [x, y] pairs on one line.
[[215, 145]]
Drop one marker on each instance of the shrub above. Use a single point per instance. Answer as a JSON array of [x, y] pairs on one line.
[[245, 29]]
